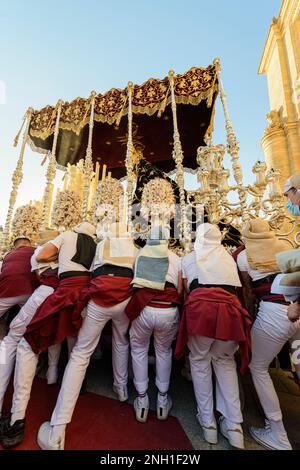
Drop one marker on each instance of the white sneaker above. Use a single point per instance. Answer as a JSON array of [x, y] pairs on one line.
[[163, 407], [52, 375], [122, 392], [210, 431], [270, 439], [44, 438], [141, 407], [233, 432]]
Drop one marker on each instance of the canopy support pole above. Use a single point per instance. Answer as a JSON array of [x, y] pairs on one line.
[[178, 157], [17, 177], [88, 163], [129, 159], [51, 171]]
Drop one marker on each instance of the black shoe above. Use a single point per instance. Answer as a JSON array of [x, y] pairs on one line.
[[4, 423], [13, 435]]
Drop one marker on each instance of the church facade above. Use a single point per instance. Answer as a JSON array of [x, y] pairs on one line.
[[280, 62]]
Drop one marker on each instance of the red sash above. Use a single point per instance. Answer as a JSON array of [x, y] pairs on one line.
[[16, 277], [215, 313], [142, 297], [108, 291], [49, 279], [59, 315]]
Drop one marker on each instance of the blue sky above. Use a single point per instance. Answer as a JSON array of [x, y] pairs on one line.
[[64, 49]]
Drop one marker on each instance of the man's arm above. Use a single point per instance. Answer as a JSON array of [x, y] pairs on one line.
[[248, 294], [294, 311], [48, 253]]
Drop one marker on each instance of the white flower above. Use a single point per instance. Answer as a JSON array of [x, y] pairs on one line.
[[67, 210], [158, 198], [108, 201], [27, 220]]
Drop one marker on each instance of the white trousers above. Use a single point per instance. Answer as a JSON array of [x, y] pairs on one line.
[[163, 323], [16, 331], [7, 302], [270, 331], [25, 369], [88, 339], [206, 353]]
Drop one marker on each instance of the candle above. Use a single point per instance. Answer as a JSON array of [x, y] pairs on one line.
[[65, 180], [94, 185], [103, 172], [109, 175]]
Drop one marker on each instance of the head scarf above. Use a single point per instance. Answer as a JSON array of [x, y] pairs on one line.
[[262, 245], [86, 228], [292, 182], [215, 264], [85, 246], [152, 263]]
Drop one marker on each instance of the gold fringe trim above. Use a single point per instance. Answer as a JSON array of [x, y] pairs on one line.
[[115, 118]]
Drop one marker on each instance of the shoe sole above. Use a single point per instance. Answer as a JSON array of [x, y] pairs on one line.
[[13, 442], [262, 443], [143, 417], [227, 437], [158, 413], [213, 440]]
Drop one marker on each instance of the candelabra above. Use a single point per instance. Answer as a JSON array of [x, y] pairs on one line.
[[216, 196]]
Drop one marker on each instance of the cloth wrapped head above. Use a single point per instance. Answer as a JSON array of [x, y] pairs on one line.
[[215, 264], [262, 245], [86, 228]]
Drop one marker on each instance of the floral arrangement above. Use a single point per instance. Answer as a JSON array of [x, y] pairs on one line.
[[26, 221], [67, 210], [158, 199], [108, 202]]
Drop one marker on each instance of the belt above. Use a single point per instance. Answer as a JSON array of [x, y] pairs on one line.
[[50, 271], [162, 302], [111, 270], [195, 285], [283, 302], [67, 274], [265, 280]]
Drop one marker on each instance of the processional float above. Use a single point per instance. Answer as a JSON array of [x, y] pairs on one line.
[[144, 134]]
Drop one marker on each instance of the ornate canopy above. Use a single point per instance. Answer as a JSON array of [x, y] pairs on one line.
[[195, 94]]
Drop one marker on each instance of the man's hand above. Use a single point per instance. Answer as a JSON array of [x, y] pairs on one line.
[[294, 311]]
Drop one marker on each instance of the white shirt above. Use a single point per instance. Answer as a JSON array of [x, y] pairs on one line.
[[174, 268], [243, 265], [189, 267], [41, 266], [66, 243]]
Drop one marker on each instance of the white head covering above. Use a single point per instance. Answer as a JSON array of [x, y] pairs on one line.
[[280, 286], [215, 264], [292, 182], [86, 228]]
